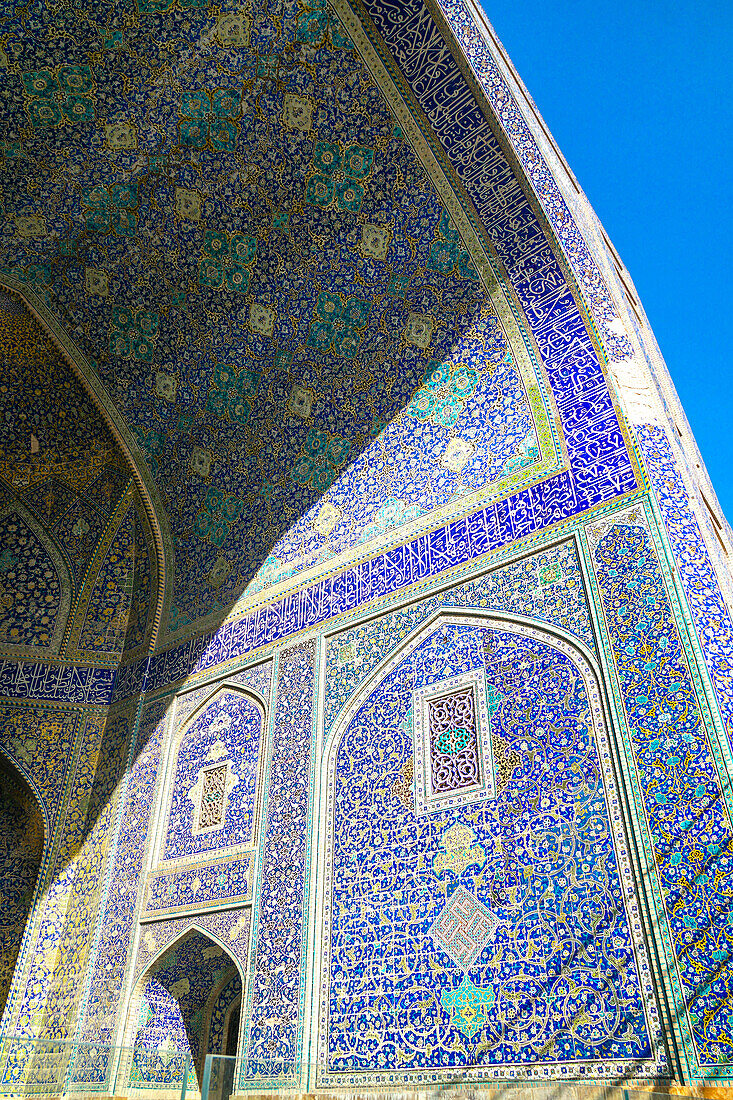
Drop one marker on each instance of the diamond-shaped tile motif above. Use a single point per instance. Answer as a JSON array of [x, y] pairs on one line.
[[463, 928]]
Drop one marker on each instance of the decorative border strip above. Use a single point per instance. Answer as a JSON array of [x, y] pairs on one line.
[[56, 683], [217, 882], [272, 1047]]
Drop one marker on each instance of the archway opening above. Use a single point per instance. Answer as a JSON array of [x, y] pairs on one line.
[[21, 848], [189, 1008]]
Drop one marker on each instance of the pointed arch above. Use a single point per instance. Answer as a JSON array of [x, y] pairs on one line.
[[61, 565], [192, 985], [211, 693], [123, 436], [526, 839], [239, 746], [501, 619]]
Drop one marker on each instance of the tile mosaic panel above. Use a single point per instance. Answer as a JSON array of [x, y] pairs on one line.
[[72, 477], [40, 396], [558, 953], [70, 490], [108, 610], [301, 246], [30, 585], [139, 619], [227, 732]]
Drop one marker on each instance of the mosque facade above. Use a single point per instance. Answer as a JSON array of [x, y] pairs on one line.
[[366, 653]]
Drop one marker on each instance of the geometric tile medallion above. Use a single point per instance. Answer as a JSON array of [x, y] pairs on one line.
[[463, 928], [452, 741]]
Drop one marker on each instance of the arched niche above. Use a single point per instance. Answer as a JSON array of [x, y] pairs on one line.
[[39, 324], [36, 586], [179, 1012], [213, 776], [21, 851], [478, 915]]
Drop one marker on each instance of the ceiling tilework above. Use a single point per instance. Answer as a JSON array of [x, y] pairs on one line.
[[72, 544], [222, 209]]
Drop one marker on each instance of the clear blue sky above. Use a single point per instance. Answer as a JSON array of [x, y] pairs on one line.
[[638, 97]]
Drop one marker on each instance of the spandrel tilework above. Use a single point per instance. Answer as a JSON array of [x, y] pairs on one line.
[[546, 586], [229, 928], [258, 678], [543, 926]]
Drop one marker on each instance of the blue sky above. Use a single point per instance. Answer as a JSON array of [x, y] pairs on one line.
[[638, 98]]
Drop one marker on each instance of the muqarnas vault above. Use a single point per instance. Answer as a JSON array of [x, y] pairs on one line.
[[366, 665]]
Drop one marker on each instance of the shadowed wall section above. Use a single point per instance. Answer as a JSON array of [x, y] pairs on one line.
[[21, 847], [75, 592]]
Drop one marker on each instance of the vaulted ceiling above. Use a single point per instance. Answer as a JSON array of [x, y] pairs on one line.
[[263, 259]]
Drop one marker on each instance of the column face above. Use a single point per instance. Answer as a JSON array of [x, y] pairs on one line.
[[681, 760], [274, 1012]]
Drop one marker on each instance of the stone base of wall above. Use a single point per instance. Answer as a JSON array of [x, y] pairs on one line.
[[559, 1090]]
